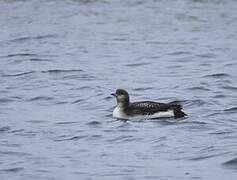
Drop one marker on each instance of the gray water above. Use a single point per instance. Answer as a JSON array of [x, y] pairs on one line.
[[60, 60]]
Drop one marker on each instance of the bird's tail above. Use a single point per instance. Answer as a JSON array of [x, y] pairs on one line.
[[178, 113]]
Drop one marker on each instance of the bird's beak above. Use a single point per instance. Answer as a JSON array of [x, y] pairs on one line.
[[113, 94]]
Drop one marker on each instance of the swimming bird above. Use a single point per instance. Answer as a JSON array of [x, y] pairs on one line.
[[145, 109]]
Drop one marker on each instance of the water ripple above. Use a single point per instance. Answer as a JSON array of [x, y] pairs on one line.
[[13, 170], [78, 101], [206, 55], [94, 123], [57, 71], [5, 100], [21, 55], [14, 153], [218, 75], [40, 98], [220, 96], [198, 88], [222, 132], [142, 89], [231, 163], [40, 59], [27, 38], [4, 129], [73, 138], [124, 138], [196, 102], [203, 157], [232, 88], [137, 64], [231, 110], [19, 74], [66, 122], [179, 53], [50, 71]]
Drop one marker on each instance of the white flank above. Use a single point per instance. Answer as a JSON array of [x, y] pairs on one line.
[[165, 114], [117, 113]]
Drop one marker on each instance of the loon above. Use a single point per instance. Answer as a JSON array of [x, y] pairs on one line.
[[144, 109]]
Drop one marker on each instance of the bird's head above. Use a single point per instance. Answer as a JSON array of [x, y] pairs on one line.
[[122, 97]]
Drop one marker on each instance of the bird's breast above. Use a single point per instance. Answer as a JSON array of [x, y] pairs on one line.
[[118, 113]]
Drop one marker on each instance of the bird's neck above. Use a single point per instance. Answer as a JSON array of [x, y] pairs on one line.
[[123, 105]]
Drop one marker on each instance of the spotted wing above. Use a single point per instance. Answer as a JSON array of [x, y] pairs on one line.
[[149, 107]]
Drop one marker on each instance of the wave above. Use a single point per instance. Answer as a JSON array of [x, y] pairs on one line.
[[138, 64], [217, 75], [231, 163], [51, 71], [16, 169], [5, 100], [20, 55], [198, 88], [93, 123], [72, 138], [56, 71], [196, 102], [232, 88], [27, 38], [19, 74], [4, 129], [231, 110], [41, 98]]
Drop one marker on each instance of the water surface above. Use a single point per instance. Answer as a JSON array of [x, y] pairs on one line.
[[60, 60]]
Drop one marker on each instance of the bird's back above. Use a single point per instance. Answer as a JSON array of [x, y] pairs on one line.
[[151, 108]]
